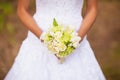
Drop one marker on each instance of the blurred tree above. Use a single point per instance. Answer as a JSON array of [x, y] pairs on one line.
[[6, 10]]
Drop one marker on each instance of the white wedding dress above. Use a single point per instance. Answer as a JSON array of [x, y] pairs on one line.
[[34, 62]]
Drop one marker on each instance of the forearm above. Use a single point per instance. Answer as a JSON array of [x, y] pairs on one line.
[[29, 22], [26, 18], [88, 20]]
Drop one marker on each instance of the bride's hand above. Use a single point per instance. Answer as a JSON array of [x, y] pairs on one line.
[[41, 37]]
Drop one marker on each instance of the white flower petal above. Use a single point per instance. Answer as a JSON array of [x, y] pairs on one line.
[[42, 37]]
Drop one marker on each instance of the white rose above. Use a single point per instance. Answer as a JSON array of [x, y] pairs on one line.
[[58, 34], [74, 33], [75, 39], [51, 33], [62, 46], [57, 49], [76, 44]]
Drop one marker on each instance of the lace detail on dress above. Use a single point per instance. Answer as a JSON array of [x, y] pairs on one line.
[[64, 8], [65, 11]]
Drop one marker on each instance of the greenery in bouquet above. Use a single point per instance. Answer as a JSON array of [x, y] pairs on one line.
[[60, 39]]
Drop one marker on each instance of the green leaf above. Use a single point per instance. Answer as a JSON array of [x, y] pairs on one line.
[[55, 22]]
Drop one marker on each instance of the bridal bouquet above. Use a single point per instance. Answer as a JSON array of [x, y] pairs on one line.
[[61, 40]]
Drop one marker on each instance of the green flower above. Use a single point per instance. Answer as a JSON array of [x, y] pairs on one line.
[[66, 37], [48, 37], [67, 52]]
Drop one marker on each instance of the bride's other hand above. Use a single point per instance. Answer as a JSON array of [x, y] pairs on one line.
[[26, 18]]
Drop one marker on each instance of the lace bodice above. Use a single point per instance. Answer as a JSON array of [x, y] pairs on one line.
[[60, 7], [66, 11]]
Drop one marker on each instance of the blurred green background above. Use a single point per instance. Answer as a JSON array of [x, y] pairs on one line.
[[104, 36]]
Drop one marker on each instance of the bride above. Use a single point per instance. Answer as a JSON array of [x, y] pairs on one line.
[[33, 61]]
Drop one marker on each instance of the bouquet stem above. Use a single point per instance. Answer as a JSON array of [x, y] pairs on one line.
[[61, 60]]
